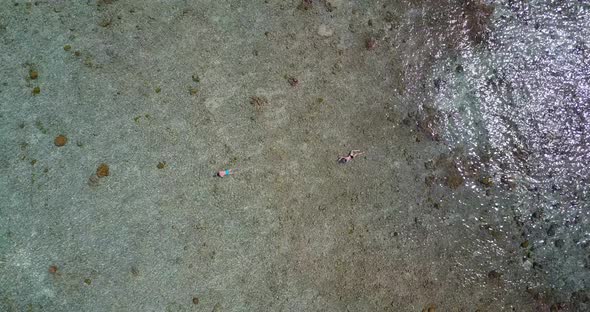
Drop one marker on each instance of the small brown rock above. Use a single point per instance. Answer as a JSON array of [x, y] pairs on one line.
[[161, 165], [105, 22], [293, 81], [102, 171], [305, 5], [52, 269], [60, 140], [195, 300], [371, 44], [556, 307], [33, 74], [258, 102]]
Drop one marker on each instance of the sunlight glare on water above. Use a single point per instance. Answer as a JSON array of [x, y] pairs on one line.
[[519, 106]]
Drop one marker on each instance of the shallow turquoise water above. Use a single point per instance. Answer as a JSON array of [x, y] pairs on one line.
[[472, 194]]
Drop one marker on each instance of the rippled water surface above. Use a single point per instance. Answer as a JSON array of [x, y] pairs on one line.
[[472, 193], [516, 104]]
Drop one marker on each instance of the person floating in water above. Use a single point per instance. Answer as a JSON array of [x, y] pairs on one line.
[[350, 156]]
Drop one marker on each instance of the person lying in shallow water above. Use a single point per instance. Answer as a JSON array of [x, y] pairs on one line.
[[350, 156]]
